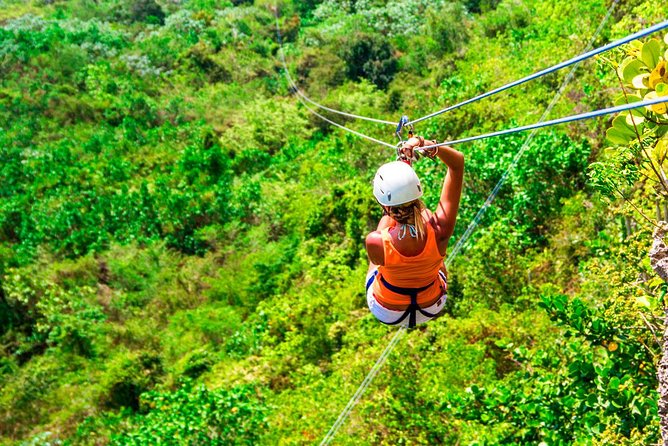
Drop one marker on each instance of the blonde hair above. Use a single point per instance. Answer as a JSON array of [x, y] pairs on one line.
[[411, 214]]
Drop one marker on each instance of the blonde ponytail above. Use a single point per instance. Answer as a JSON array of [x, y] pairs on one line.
[[418, 206], [411, 214]]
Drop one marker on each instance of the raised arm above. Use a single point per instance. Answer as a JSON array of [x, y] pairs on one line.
[[448, 205]]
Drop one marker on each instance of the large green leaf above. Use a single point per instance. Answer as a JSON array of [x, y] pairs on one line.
[[623, 99], [630, 68], [617, 137], [619, 123], [621, 132], [651, 52]]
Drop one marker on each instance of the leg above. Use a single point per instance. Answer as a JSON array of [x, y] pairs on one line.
[[445, 273]]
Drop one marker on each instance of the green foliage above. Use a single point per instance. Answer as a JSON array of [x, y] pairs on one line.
[[445, 27], [182, 243], [128, 378], [532, 195], [147, 11], [41, 315], [638, 136], [645, 73], [591, 382], [509, 17], [480, 5], [613, 175], [196, 415], [370, 57]]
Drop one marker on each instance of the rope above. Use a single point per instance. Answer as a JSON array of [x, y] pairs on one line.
[[476, 220], [381, 121], [552, 69], [306, 98], [362, 388]]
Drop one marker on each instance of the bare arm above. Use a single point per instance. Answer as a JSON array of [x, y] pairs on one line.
[[448, 205], [374, 242]]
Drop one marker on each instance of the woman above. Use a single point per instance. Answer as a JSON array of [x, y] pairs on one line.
[[406, 282]]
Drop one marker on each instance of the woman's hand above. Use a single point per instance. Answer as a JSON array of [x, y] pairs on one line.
[[432, 152], [408, 148]]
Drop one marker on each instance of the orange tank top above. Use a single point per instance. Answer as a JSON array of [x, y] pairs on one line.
[[409, 271]]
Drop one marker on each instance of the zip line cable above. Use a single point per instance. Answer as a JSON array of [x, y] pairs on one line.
[[355, 132], [306, 98], [381, 121], [534, 127], [476, 220], [551, 69], [538, 125]]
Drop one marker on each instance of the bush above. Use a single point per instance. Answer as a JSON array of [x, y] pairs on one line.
[[146, 11], [370, 57], [446, 26], [43, 314], [129, 377], [198, 416], [593, 380], [479, 6], [511, 16]]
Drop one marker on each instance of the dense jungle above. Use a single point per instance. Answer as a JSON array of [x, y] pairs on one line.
[[182, 254]]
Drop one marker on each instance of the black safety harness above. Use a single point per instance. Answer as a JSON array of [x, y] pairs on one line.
[[413, 307]]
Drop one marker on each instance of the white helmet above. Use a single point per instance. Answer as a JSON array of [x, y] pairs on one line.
[[396, 183]]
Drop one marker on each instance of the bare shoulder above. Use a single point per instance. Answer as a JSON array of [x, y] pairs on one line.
[[437, 222], [440, 232], [374, 247]]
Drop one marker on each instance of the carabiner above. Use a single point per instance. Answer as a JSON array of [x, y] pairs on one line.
[[402, 123]]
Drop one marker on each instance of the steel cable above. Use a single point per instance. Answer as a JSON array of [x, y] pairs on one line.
[[552, 69], [538, 125]]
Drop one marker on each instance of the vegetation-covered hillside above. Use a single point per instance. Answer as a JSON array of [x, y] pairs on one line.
[[182, 242]]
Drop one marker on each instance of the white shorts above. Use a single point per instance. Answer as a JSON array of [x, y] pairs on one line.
[[388, 316]]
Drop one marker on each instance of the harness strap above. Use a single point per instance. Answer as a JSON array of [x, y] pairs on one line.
[[413, 307]]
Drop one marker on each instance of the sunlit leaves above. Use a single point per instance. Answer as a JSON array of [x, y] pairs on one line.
[[650, 53], [644, 71]]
